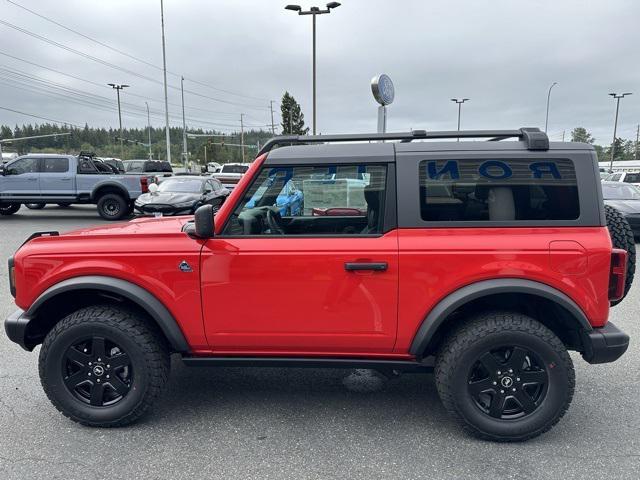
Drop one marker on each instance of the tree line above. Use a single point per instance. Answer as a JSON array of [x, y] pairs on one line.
[[624, 149]]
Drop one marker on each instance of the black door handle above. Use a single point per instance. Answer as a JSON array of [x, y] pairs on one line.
[[376, 266]]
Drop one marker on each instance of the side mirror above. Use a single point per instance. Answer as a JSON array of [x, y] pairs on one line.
[[203, 220]]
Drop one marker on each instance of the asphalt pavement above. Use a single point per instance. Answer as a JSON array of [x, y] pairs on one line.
[[230, 423]]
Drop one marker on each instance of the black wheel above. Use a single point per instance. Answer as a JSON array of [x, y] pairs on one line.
[[505, 377], [9, 208], [103, 367], [35, 206], [622, 237], [112, 206], [64, 205]]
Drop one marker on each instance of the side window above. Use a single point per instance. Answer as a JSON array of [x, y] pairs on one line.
[[134, 167], [498, 190], [55, 165], [632, 178], [216, 184], [208, 187], [24, 165], [615, 177], [313, 200]]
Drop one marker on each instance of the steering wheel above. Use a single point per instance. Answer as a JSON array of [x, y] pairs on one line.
[[274, 220]]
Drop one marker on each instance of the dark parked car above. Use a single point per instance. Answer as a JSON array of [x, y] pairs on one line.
[[182, 195], [624, 197]]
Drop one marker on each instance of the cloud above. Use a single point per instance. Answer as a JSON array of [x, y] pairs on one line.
[[501, 54]]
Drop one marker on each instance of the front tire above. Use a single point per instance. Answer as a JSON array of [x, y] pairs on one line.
[[103, 366], [505, 377], [112, 207]]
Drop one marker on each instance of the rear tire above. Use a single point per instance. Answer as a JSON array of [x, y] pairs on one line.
[[9, 208], [505, 377], [622, 237], [35, 206], [112, 207], [102, 366]]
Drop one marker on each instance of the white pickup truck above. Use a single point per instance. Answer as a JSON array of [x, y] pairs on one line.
[[68, 179], [231, 173]]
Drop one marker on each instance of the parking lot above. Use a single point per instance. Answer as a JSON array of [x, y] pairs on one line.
[[303, 423]]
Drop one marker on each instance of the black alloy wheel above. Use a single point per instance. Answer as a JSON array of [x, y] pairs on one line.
[[508, 383], [97, 371]]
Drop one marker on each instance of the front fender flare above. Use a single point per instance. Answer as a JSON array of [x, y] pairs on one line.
[[457, 299], [138, 295]]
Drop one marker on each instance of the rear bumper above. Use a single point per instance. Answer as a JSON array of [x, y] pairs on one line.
[[15, 326], [604, 345]]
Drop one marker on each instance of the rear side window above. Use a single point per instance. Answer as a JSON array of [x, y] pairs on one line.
[[494, 190], [632, 178], [133, 167], [157, 166], [55, 165]]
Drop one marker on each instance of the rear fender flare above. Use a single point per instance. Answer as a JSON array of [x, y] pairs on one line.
[[445, 307]]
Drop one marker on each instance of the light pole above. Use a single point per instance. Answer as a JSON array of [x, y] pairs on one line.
[[184, 127], [313, 11], [546, 120], [615, 125], [149, 129], [166, 99], [459, 101], [117, 88]]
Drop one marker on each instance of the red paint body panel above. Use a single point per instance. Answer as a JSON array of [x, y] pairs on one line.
[[144, 252], [436, 262], [294, 294]]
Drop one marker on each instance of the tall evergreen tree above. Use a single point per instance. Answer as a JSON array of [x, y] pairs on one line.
[[580, 134], [292, 116]]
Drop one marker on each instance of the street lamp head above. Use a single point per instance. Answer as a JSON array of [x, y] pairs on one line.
[[628, 93], [465, 99], [331, 5], [295, 8], [113, 85]]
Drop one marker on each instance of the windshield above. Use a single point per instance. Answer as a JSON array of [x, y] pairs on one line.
[[181, 185], [620, 192]]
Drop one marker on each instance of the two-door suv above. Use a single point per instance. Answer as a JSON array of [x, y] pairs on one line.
[[482, 261]]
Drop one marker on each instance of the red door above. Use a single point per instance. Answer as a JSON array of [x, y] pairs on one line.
[[301, 295]]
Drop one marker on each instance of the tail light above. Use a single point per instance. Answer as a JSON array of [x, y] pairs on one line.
[[144, 184], [617, 274]]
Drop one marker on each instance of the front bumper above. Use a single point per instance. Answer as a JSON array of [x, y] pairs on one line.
[[16, 327], [604, 345]]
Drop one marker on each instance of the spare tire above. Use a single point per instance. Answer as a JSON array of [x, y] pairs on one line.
[[35, 206], [622, 237]]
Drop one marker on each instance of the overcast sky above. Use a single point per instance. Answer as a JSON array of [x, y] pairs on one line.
[[502, 54]]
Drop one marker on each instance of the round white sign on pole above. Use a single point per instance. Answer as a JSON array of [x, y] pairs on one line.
[[382, 89]]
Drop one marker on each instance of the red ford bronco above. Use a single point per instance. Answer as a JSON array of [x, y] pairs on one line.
[[482, 261]]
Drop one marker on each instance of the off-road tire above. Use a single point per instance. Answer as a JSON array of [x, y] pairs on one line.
[[9, 208], [622, 237], [146, 349], [112, 206], [489, 331], [35, 206]]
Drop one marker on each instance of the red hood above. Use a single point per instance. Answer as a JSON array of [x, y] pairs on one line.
[[147, 226]]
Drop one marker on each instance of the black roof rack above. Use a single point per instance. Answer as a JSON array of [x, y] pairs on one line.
[[533, 138]]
